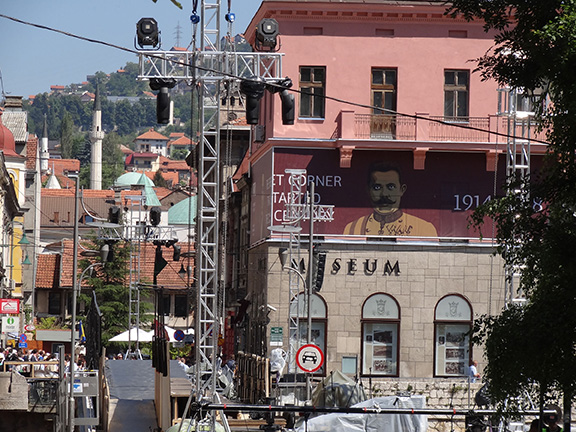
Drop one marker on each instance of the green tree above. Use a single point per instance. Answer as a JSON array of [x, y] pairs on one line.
[[112, 159], [535, 50], [159, 179], [69, 141]]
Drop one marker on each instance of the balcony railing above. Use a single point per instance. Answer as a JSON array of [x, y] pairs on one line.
[[424, 127]]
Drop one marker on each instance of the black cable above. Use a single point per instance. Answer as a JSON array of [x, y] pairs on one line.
[[133, 51]]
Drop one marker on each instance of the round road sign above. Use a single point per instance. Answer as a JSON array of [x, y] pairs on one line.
[[179, 335], [309, 358]]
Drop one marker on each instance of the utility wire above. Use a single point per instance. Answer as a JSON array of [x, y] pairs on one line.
[[356, 104]]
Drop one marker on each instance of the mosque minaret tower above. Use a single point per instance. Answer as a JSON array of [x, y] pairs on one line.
[[44, 154], [96, 137]]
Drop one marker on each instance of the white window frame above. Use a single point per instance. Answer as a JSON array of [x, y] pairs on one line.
[[452, 343], [380, 336]]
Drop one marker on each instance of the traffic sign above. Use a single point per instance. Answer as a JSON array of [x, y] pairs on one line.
[[309, 358], [179, 335], [29, 328], [9, 306], [10, 324], [23, 338]]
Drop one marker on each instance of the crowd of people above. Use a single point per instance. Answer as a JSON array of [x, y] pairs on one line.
[[28, 357]]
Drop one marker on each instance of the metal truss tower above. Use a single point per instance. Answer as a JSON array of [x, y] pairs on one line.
[[516, 107], [206, 67]]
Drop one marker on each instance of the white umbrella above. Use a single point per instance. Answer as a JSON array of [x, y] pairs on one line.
[[133, 335]]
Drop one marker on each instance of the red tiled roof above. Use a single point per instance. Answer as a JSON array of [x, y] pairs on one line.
[[174, 165], [88, 193], [48, 271], [125, 149], [162, 192], [180, 141], [144, 155], [176, 134], [151, 134], [61, 165]]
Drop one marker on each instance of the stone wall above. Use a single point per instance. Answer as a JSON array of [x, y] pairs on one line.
[[440, 393]]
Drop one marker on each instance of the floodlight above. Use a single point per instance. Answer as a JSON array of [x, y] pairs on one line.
[[147, 33], [253, 88], [267, 33]]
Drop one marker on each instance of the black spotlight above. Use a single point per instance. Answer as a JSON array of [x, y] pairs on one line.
[[286, 98], [147, 33], [114, 214], [254, 90], [155, 214], [267, 34], [162, 98]]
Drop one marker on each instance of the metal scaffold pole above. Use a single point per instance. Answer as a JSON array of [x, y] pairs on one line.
[[206, 67]]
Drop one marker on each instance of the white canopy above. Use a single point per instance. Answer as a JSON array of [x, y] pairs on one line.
[[133, 335]]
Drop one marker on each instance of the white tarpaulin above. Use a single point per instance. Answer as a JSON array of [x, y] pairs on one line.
[[135, 334], [382, 422]]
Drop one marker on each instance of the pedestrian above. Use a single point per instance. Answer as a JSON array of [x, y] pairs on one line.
[[551, 420], [473, 374]]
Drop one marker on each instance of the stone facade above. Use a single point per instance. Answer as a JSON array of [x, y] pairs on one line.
[[425, 275]]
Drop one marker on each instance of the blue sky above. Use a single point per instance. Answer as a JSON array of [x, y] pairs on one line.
[[32, 59]]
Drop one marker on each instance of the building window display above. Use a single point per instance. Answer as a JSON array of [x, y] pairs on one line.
[[380, 327], [299, 307], [453, 321]]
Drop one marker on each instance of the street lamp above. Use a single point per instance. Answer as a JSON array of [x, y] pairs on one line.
[[104, 255]]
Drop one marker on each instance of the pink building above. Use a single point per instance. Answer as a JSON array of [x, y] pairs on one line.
[[403, 140]]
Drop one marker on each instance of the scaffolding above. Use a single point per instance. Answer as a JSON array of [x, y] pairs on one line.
[[516, 107]]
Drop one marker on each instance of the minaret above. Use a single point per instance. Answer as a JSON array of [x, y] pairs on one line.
[[96, 137], [44, 154]]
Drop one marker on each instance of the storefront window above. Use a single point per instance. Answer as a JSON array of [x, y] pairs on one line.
[[453, 321], [380, 327]]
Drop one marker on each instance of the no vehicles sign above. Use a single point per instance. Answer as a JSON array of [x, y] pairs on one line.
[[309, 358]]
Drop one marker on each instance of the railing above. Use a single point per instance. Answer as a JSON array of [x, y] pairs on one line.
[[32, 369], [449, 129], [385, 127], [424, 127]]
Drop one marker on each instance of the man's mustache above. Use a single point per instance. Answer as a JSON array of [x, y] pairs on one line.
[[385, 201]]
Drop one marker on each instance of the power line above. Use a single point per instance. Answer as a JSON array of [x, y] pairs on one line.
[[342, 101]]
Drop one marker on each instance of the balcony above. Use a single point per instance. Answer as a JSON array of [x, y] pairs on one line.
[[423, 127]]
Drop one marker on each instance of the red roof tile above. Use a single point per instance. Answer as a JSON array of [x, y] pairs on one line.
[[151, 134], [48, 271]]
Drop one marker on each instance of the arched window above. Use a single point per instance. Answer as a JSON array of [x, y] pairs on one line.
[[380, 329], [318, 313], [452, 324]]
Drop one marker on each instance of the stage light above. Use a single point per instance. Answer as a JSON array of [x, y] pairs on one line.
[[147, 33], [267, 33], [254, 90]]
